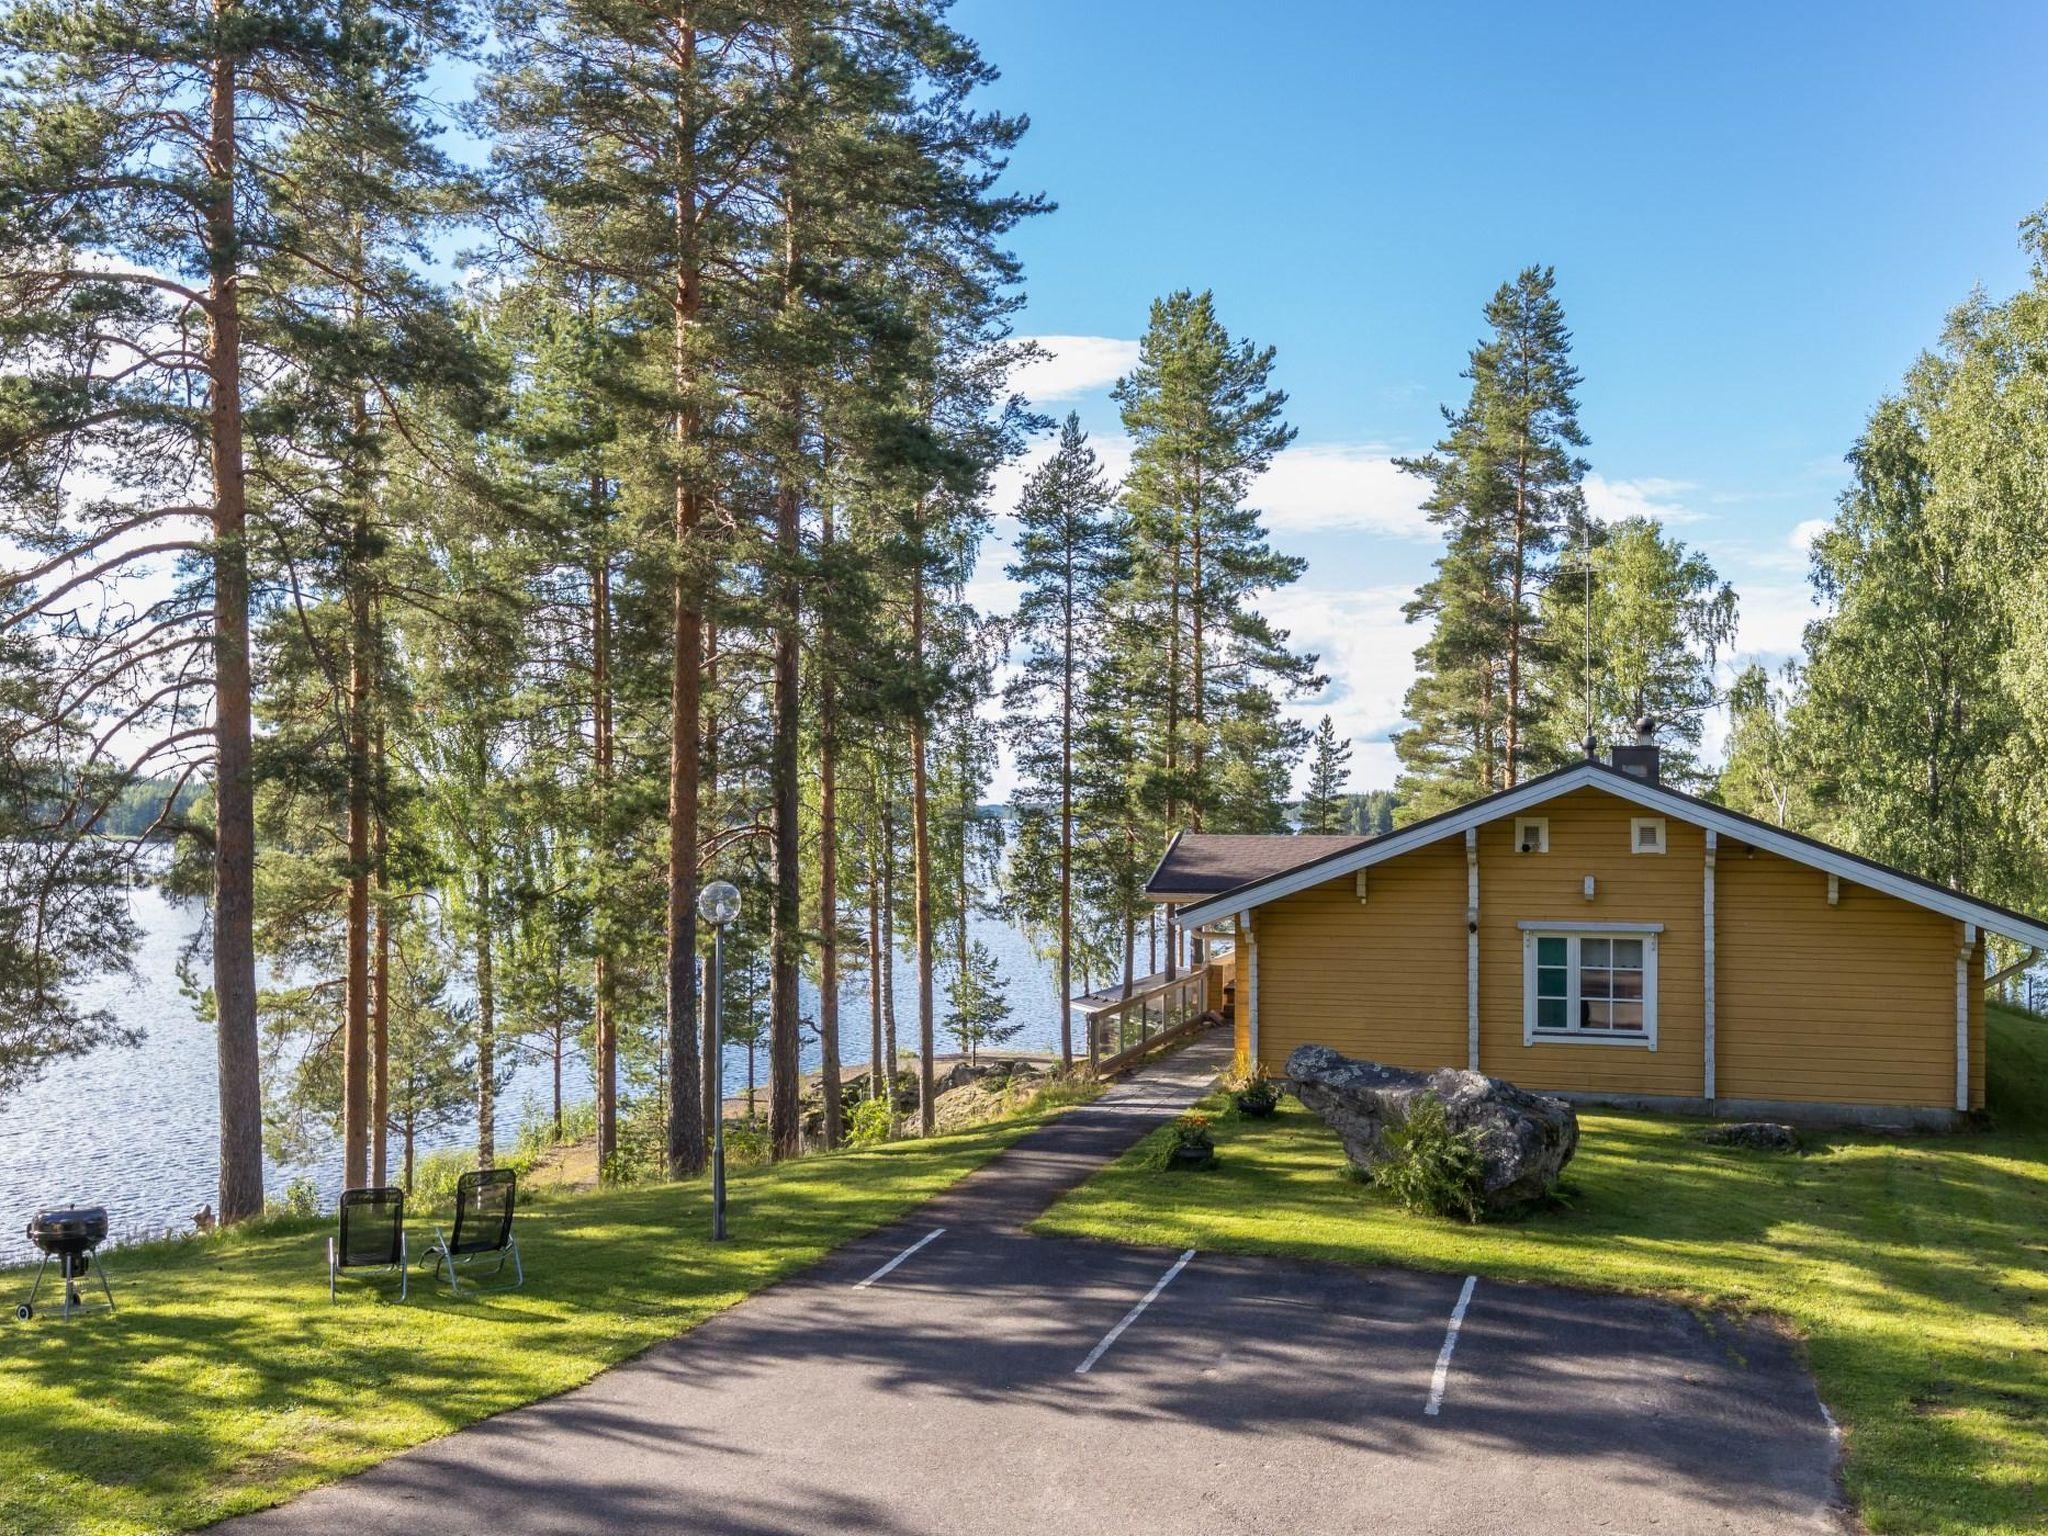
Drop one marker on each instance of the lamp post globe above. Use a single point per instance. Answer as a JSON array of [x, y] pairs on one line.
[[719, 903]]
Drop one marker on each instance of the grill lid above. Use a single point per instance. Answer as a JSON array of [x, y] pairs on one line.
[[82, 1225]]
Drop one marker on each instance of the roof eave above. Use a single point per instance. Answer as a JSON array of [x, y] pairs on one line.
[[1255, 893]]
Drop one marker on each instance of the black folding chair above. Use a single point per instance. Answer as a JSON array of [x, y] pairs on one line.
[[372, 1237], [484, 1202]]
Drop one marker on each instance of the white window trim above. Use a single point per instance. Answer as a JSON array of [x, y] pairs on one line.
[[1635, 831], [1573, 1034], [1540, 825]]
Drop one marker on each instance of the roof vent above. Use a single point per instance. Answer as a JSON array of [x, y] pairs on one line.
[[1640, 758]]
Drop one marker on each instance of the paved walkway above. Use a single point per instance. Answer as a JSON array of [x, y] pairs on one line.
[[951, 1374]]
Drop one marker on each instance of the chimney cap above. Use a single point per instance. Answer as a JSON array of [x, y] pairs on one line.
[[1646, 731]]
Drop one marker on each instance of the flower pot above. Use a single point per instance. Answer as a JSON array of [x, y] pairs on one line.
[[1257, 1109], [1187, 1159]]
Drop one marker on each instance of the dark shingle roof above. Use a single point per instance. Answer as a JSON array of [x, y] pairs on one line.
[[1204, 863]]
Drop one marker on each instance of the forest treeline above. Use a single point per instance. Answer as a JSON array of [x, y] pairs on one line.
[[477, 535], [492, 606]]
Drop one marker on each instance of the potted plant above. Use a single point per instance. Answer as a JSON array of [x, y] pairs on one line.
[[1255, 1094], [1193, 1147]]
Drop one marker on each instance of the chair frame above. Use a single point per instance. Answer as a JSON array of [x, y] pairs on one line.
[[337, 1267], [450, 1252]]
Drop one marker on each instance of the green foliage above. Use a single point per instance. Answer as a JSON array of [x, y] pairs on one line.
[[301, 1200], [1660, 618], [978, 1005], [1255, 1093], [871, 1121], [1427, 1167]]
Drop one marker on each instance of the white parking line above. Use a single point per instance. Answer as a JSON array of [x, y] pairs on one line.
[[1131, 1316], [906, 1253], [1443, 1357]]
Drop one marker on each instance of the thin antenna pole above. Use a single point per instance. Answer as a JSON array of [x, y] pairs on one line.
[[1586, 531]]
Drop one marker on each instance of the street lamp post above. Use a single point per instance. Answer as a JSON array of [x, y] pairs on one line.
[[718, 904]]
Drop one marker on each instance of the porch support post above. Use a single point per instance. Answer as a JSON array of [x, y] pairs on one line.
[[1713, 849], [1251, 987], [1963, 954], [1472, 946]]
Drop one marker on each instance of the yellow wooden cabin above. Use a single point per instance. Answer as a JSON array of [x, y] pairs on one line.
[[1598, 934]]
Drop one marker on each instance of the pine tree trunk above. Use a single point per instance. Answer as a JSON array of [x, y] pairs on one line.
[[829, 1073], [1067, 819], [234, 871], [603, 980], [380, 991], [687, 1125], [714, 1066], [921, 857], [786, 918], [888, 981], [355, 1032], [1517, 576], [486, 1020], [876, 1073]]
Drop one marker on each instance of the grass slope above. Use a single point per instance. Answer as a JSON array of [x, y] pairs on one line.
[[1915, 1268], [226, 1382]]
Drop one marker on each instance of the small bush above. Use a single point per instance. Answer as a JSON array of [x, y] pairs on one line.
[[301, 1199], [746, 1142], [869, 1123], [434, 1176], [1428, 1167]]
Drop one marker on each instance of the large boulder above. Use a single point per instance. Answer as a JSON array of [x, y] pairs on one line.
[[1524, 1138]]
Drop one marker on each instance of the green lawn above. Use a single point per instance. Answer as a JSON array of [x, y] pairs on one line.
[[228, 1382], [1916, 1269]]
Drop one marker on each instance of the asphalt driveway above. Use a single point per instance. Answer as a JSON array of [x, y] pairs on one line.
[[951, 1374]]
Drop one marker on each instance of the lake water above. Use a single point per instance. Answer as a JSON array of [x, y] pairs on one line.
[[137, 1130]]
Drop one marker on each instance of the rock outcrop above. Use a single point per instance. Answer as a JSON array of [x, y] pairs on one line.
[[1524, 1139]]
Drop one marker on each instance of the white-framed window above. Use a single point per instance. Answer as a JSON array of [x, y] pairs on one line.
[[1646, 834], [1592, 983], [1532, 834]]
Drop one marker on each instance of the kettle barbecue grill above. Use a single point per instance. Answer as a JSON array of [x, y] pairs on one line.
[[69, 1236]]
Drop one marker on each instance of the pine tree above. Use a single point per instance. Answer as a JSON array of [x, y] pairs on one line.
[[1067, 557], [1204, 424], [1504, 485], [153, 217], [1322, 810]]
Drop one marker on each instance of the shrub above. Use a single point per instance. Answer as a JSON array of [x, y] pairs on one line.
[[434, 1176], [301, 1198], [1428, 1167], [1192, 1130], [869, 1123]]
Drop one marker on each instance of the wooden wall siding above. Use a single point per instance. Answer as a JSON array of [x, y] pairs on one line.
[[1241, 1016], [1849, 1004], [1589, 835], [1383, 980]]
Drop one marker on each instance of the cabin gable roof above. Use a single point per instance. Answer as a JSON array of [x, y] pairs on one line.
[[1624, 786]]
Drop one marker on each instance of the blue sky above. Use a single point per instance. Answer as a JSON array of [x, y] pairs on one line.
[[1758, 216]]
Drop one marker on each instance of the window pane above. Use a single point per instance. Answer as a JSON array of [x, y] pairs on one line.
[[1628, 1015], [1550, 951], [1629, 952], [1550, 1013], [1628, 984], [1594, 983], [1593, 1015], [1593, 951], [1552, 983]]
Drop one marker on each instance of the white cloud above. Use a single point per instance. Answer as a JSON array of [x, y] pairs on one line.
[[1078, 365], [1367, 649], [1774, 619], [1341, 487], [1648, 496]]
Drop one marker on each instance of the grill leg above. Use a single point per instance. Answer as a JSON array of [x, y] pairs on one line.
[[106, 1290], [70, 1289]]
